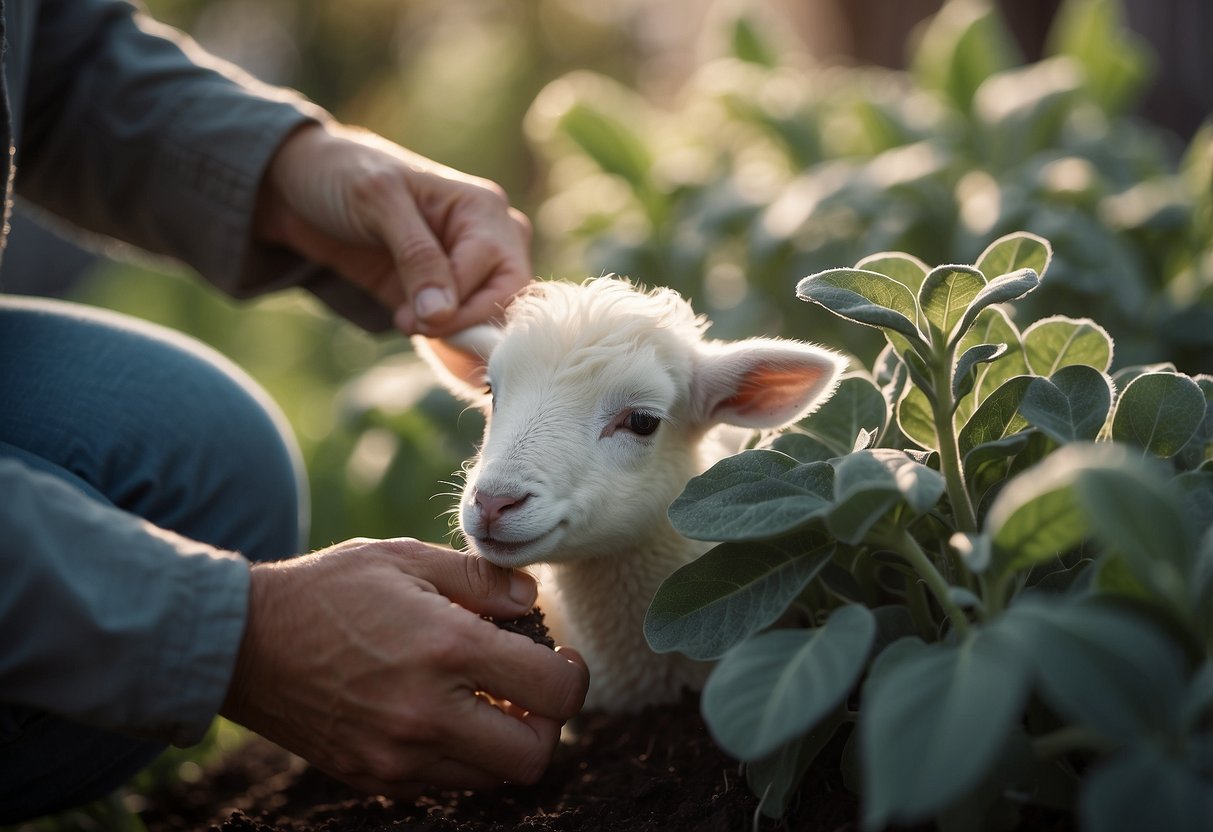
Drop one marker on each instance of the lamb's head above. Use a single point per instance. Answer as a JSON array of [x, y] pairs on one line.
[[597, 397]]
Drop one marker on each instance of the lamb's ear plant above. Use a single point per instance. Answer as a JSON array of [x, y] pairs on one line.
[[967, 145], [984, 569]]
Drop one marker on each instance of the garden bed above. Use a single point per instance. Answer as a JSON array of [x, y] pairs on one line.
[[658, 770]]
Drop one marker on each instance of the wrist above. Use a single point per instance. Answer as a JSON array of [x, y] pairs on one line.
[[236, 704], [272, 216]]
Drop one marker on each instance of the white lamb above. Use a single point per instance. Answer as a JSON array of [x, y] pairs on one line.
[[602, 399]]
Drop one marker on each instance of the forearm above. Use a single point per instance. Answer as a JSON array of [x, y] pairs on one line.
[[108, 620], [132, 131]]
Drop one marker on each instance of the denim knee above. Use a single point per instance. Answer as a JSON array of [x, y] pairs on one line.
[[159, 424]]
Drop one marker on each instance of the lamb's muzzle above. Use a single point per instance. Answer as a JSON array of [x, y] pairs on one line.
[[602, 403]]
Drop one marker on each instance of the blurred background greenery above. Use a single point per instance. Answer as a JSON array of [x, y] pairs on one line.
[[727, 149]]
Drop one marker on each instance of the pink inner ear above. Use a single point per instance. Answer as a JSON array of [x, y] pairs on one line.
[[768, 393], [461, 370], [464, 366]]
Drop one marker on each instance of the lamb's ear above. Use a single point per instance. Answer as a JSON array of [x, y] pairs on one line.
[[460, 360], [762, 383]]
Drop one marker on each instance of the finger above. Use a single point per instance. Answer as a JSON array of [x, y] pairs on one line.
[[544, 683], [574, 656], [422, 266], [468, 580], [487, 302], [490, 262], [506, 747], [493, 256]]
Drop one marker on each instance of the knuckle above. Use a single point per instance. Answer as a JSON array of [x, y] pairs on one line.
[[483, 578], [446, 649], [491, 193], [416, 251], [523, 222], [413, 726]]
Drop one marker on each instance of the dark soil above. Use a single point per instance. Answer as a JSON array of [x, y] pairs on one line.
[[530, 625], [658, 771]]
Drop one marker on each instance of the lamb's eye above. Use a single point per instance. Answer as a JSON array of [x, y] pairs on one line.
[[641, 423]]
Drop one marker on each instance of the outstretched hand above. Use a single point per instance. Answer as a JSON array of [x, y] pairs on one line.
[[368, 659], [441, 249]]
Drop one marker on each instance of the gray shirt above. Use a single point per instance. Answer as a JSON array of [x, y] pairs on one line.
[[127, 129]]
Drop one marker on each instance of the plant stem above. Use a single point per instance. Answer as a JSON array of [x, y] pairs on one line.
[[949, 449], [993, 594], [905, 545]]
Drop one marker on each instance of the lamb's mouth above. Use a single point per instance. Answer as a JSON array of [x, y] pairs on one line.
[[516, 552]]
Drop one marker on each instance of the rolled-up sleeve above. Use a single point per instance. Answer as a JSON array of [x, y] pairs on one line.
[[132, 131], [108, 620]]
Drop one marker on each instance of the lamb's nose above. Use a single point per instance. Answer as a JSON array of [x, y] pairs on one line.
[[492, 506]]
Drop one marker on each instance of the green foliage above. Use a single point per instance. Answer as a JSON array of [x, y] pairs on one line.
[[769, 169], [996, 550], [1047, 550]]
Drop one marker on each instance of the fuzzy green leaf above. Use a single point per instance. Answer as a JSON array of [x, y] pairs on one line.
[[1071, 406], [945, 297], [1100, 665], [1143, 788], [774, 687], [856, 405], [906, 269], [915, 419], [1056, 342], [754, 495], [934, 721], [1159, 412], [1015, 252], [802, 447], [997, 417], [867, 484], [1037, 516], [732, 592], [963, 376], [1136, 514], [992, 326], [1200, 446], [864, 297], [1001, 289]]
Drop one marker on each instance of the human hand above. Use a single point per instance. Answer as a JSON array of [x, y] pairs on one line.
[[365, 660], [443, 250]]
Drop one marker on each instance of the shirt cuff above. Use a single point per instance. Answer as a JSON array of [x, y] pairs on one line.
[[192, 661]]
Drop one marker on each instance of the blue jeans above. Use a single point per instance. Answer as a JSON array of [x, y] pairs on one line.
[[164, 428]]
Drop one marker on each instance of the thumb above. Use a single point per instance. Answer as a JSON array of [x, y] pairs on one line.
[[471, 581]]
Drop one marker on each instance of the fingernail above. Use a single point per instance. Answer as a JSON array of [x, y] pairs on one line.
[[523, 589], [432, 301]]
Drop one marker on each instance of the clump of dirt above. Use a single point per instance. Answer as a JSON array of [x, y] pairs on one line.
[[530, 625]]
